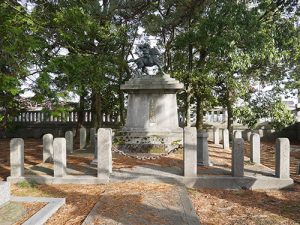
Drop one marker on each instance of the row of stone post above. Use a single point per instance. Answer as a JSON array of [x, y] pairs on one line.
[[69, 136], [196, 153], [55, 150], [254, 142]]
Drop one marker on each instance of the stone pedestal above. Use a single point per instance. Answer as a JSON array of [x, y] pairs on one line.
[[152, 117]]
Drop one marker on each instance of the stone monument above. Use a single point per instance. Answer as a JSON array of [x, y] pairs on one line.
[[152, 117]]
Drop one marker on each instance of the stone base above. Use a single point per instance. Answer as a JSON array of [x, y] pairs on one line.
[[4, 192], [61, 180], [147, 141]]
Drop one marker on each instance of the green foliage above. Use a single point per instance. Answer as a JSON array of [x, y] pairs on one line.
[[281, 116], [265, 106], [218, 49]]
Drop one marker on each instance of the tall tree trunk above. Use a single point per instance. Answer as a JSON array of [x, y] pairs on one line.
[[188, 105], [121, 112], [80, 113], [189, 88], [230, 119], [199, 112], [97, 119]]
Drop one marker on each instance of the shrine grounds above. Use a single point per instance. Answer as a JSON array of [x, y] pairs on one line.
[[131, 198]]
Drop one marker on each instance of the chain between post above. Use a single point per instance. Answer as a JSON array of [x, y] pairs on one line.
[[153, 157]]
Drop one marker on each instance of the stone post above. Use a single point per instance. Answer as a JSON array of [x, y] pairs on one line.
[[69, 141], [60, 157], [226, 139], [17, 157], [216, 135], [48, 148], [104, 145], [237, 161], [261, 132], [237, 134], [190, 151], [202, 149], [82, 135], [255, 148], [248, 134], [282, 158], [92, 137]]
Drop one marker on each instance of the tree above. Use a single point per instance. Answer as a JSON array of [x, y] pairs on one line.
[[17, 47]]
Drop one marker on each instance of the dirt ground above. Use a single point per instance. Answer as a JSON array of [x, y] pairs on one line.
[[212, 206]]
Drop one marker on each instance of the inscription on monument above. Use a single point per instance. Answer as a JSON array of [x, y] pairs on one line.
[[152, 116]]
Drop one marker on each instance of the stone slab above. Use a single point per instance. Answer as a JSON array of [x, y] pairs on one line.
[[177, 211], [41, 217], [4, 192], [256, 177], [11, 213]]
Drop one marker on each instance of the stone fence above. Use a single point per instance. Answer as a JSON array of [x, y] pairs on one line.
[[34, 124], [64, 117]]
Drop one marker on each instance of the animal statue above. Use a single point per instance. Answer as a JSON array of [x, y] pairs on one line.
[[149, 58]]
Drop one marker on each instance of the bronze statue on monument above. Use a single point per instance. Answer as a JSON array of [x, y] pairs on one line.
[[150, 57]]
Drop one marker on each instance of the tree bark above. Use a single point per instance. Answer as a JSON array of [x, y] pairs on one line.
[[121, 112], [97, 119], [199, 112], [188, 106], [80, 113], [230, 119], [189, 88]]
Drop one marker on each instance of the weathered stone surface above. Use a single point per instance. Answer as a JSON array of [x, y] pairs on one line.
[[261, 132], [282, 157], [226, 139], [4, 192], [92, 137], [255, 148], [17, 157], [298, 169], [48, 148], [69, 141], [152, 108], [171, 206], [60, 157], [190, 151], [237, 161], [248, 135], [202, 149], [237, 134], [216, 135], [104, 152], [82, 132], [11, 213]]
